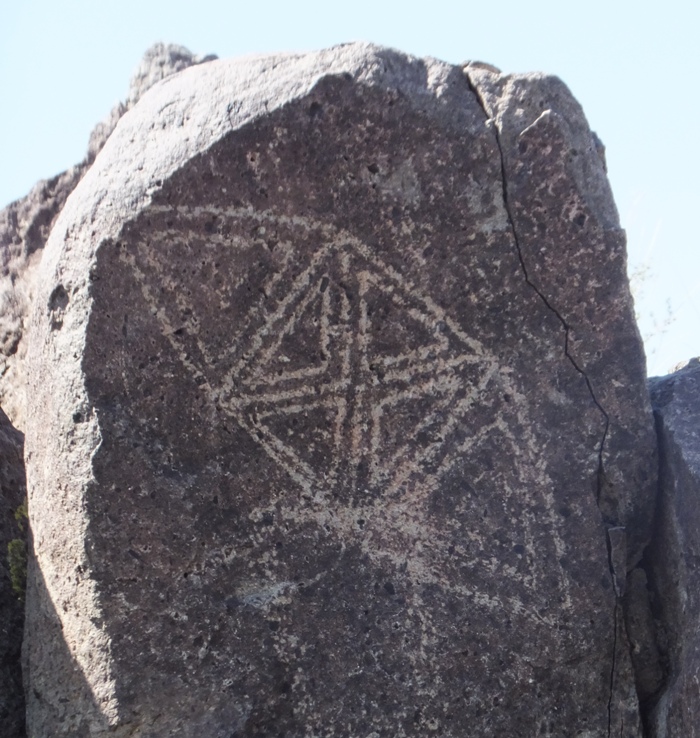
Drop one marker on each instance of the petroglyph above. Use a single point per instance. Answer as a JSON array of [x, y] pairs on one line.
[[310, 348], [351, 381]]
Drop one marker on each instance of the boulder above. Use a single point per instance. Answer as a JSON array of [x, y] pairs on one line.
[[337, 419], [675, 552]]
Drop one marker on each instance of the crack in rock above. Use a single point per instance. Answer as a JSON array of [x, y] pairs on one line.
[[601, 470]]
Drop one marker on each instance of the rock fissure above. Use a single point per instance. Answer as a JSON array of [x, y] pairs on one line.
[[613, 669], [572, 360], [616, 617], [658, 631]]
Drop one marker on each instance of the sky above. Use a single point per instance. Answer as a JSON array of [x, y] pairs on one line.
[[633, 65]]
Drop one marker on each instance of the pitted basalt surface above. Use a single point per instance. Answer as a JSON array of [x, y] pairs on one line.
[[343, 474]]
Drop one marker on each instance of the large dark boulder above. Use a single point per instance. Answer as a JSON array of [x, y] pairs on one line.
[[337, 419]]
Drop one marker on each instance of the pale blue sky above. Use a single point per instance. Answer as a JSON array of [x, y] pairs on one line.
[[633, 65]]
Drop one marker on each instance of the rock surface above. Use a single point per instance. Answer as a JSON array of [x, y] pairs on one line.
[[25, 226], [13, 537], [338, 423], [675, 552]]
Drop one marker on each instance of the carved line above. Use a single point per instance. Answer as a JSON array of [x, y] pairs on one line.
[[333, 236], [266, 355]]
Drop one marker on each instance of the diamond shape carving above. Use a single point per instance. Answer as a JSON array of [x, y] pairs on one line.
[[355, 378], [347, 374]]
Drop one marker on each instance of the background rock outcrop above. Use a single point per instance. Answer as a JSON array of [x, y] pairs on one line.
[[25, 226], [329, 431], [675, 552]]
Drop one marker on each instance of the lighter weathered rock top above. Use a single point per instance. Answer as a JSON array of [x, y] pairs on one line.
[[25, 226]]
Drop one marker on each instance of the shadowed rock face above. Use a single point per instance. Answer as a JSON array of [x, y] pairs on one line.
[[329, 435], [13, 535], [675, 551]]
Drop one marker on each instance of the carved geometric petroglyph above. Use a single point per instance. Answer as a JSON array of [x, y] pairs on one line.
[[316, 354], [320, 355], [350, 389]]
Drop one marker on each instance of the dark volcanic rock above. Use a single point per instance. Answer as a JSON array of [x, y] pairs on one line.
[[13, 547], [675, 553], [568, 236], [327, 434], [25, 226]]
